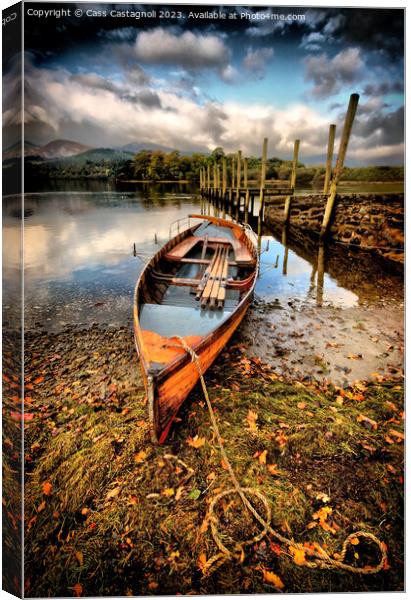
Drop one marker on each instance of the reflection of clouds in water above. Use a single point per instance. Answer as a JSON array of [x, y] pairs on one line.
[[297, 282], [59, 239]]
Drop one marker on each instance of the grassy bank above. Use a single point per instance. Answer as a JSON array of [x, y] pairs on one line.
[[108, 513]]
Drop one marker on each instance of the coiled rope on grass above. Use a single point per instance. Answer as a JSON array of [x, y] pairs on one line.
[[318, 557]]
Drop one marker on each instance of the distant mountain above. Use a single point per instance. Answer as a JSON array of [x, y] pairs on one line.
[[95, 155], [62, 148], [54, 149]]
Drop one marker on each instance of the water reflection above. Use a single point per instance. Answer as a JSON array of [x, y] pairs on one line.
[[85, 249]]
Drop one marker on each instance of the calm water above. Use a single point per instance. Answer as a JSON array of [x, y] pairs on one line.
[[79, 260]]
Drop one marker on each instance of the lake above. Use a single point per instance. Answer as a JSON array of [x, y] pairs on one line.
[[80, 266]]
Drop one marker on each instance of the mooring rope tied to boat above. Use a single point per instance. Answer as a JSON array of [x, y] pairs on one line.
[[318, 557]]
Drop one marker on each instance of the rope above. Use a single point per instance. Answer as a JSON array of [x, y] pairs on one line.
[[319, 558]]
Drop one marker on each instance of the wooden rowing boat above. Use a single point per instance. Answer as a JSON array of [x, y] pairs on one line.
[[198, 287]]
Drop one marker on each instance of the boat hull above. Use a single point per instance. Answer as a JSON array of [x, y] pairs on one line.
[[169, 373]]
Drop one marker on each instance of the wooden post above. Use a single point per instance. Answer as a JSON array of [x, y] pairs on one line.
[[238, 171], [245, 167], [329, 163], [262, 189], [224, 176], [287, 204], [345, 138], [208, 176], [218, 176], [232, 173]]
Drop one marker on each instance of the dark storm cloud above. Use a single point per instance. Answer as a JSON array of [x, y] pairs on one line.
[[329, 75], [380, 30], [389, 127], [383, 88], [146, 97]]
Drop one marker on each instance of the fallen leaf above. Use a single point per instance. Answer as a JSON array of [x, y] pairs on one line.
[[354, 541], [41, 506], [370, 423], [168, 492], [196, 442], [153, 585], [140, 457], [273, 579], [194, 494], [85, 510], [77, 589], [272, 469], [47, 487], [38, 379], [251, 419], [80, 558], [354, 356], [262, 459], [323, 497], [400, 436], [202, 561], [113, 493], [298, 555], [301, 405]]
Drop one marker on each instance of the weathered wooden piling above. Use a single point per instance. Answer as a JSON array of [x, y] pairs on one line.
[[224, 176], [262, 187], [345, 138], [329, 163], [238, 192], [293, 178], [208, 177], [247, 191]]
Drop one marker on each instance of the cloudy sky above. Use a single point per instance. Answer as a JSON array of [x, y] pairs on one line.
[[194, 84]]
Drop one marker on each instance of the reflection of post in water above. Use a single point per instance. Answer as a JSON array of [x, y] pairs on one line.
[[320, 275], [312, 280], [284, 243]]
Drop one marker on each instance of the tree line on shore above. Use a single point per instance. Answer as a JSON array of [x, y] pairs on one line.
[[157, 166]]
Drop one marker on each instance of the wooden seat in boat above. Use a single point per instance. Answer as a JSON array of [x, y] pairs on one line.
[[242, 255]]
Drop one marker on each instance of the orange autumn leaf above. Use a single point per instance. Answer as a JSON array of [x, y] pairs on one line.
[[262, 456], [400, 436], [202, 561], [354, 541], [140, 457], [301, 405], [153, 585], [77, 589], [80, 558], [168, 492], [224, 465], [38, 379], [298, 555], [321, 516], [251, 419], [47, 487], [273, 579], [41, 506], [272, 469], [367, 421], [196, 442]]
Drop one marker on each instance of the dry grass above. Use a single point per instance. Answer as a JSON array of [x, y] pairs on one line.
[[125, 517]]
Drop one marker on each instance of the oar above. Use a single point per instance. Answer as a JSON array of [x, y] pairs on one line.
[[206, 276]]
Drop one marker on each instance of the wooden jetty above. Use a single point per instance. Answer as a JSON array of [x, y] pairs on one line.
[[244, 200]]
